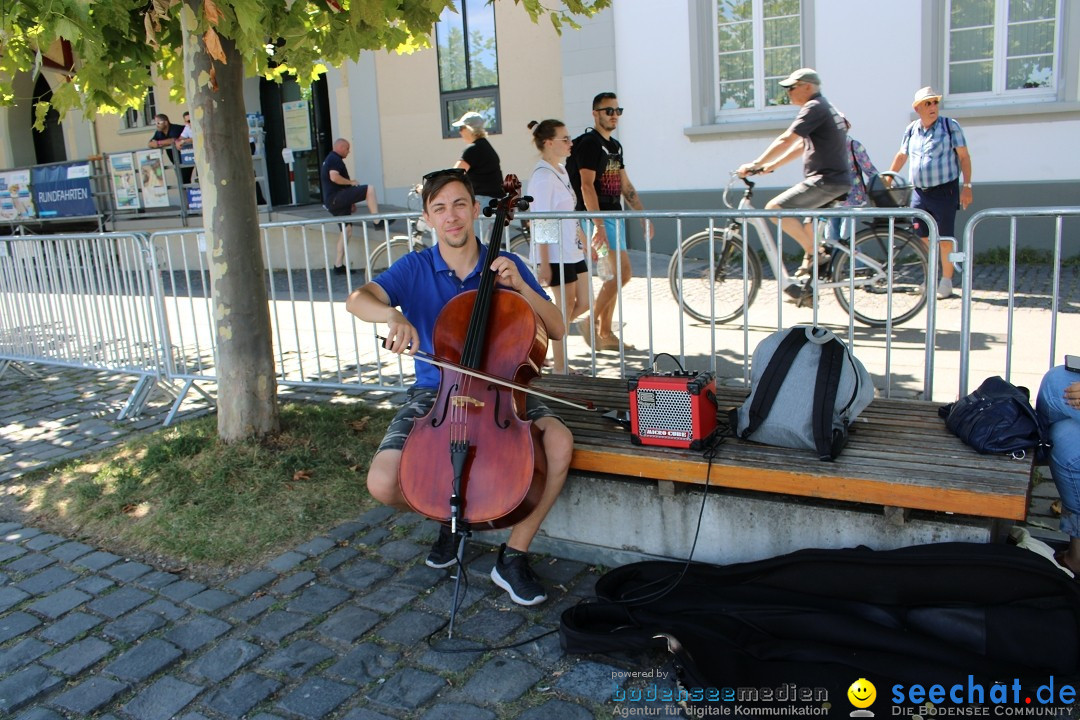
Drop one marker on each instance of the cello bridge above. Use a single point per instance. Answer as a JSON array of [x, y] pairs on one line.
[[463, 400]]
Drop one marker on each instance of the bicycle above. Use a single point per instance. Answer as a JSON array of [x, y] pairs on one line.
[[708, 281], [419, 237]]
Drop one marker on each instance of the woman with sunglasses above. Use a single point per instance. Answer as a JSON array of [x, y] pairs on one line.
[[479, 160], [557, 247]]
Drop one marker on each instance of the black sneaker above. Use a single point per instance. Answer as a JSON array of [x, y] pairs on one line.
[[513, 574], [443, 551], [340, 270]]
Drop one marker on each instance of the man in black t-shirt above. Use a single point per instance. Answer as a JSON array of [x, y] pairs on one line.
[[598, 174], [341, 194], [166, 133], [165, 136], [820, 131]]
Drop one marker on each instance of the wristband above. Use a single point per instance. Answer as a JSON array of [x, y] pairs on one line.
[[967, 185]]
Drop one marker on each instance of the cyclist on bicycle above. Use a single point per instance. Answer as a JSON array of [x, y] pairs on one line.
[[820, 131]]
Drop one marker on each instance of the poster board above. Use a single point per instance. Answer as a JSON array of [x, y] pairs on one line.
[[151, 166], [124, 183], [63, 190], [16, 202], [297, 125]]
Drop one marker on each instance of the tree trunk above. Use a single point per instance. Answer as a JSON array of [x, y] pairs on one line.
[[247, 387]]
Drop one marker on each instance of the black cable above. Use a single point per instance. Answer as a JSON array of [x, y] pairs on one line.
[[459, 598]]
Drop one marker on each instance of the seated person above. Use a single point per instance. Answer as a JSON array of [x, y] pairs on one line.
[[1058, 406], [420, 284], [341, 193]]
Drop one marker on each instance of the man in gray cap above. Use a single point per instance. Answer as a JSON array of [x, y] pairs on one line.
[[819, 130], [939, 155]]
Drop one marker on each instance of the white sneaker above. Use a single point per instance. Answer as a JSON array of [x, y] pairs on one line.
[[944, 288]]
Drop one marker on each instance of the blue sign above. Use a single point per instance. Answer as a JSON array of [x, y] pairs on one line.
[[63, 190], [187, 157], [194, 197]]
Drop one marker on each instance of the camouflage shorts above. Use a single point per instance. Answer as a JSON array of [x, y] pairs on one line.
[[420, 399]]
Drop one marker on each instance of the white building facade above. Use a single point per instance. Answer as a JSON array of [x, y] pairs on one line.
[[698, 80]]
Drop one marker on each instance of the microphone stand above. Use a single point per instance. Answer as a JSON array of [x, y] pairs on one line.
[[459, 451]]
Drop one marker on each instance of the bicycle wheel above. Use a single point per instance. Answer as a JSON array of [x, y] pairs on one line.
[[870, 302], [713, 285], [518, 243], [384, 254]]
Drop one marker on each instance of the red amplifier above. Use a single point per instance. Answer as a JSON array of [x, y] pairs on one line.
[[673, 409]]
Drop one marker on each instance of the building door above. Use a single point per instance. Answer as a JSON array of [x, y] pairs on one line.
[[49, 143], [305, 180]]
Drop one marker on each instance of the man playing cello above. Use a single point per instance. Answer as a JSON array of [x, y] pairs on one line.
[[408, 298]]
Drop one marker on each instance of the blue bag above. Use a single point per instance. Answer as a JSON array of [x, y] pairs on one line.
[[996, 418]]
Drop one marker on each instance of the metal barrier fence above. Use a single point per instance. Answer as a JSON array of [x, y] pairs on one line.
[[1052, 288], [85, 301], [317, 344], [136, 305]]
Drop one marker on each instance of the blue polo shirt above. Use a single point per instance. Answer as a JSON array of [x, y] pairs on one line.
[[420, 284]]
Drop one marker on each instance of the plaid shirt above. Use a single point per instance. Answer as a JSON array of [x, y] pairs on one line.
[[932, 152]]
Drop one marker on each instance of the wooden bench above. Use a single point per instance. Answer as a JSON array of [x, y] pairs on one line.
[[899, 458]]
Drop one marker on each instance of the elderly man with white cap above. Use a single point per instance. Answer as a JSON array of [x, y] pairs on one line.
[[939, 155], [821, 132]]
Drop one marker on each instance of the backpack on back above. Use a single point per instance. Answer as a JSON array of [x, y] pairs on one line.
[[807, 389]]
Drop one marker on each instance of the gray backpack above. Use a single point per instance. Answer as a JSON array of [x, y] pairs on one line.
[[807, 388]]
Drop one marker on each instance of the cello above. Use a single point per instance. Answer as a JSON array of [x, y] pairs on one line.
[[474, 459]]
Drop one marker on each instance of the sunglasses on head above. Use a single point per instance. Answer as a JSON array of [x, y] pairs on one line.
[[609, 111], [452, 172]]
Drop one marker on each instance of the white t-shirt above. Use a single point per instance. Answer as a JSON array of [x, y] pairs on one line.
[[551, 191]]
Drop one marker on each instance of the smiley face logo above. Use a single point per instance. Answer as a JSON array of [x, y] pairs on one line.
[[862, 693]]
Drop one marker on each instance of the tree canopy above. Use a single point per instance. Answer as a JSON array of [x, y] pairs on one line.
[[204, 47], [116, 42]]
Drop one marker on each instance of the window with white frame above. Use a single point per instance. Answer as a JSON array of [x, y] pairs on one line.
[[468, 64], [758, 42], [144, 116], [1007, 49]]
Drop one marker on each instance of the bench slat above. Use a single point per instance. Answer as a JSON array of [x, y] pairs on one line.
[[899, 454]]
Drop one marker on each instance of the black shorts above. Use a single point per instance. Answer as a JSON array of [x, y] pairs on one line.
[[341, 202], [942, 202], [571, 272]]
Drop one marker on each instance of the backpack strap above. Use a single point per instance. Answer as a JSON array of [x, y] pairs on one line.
[[769, 385], [830, 365]]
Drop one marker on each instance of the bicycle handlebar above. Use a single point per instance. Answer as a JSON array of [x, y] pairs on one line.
[[749, 192]]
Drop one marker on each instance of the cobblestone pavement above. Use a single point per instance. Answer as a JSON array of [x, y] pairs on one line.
[[335, 628]]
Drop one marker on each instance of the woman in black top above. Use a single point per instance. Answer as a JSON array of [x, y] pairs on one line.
[[479, 160]]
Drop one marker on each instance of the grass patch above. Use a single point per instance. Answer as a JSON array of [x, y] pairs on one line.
[[1024, 256], [180, 493]]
